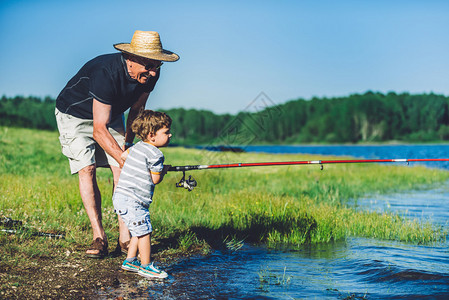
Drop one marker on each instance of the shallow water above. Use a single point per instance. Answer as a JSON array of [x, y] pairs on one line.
[[431, 205], [353, 269], [358, 268]]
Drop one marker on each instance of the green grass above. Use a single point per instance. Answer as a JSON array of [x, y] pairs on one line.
[[289, 205]]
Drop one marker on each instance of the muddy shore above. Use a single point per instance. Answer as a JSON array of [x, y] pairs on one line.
[[69, 275]]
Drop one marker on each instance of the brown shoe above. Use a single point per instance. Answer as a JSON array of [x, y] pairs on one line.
[[123, 247], [99, 245]]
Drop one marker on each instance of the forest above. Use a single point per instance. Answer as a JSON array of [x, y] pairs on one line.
[[357, 118]]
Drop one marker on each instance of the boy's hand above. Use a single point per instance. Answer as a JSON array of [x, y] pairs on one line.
[[165, 169], [124, 155]]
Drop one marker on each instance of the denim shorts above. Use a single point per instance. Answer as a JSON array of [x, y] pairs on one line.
[[78, 144], [135, 216]]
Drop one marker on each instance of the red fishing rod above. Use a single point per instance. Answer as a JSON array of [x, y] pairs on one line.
[[190, 183]]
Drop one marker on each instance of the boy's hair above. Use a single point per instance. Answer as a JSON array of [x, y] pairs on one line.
[[149, 121]]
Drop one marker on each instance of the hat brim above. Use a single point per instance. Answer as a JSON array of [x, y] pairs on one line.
[[165, 55]]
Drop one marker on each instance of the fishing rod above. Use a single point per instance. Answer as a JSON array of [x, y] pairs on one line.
[[191, 183], [16, 226]]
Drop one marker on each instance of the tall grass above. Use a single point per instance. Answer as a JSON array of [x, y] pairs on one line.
[[274, 205], [289, 205]]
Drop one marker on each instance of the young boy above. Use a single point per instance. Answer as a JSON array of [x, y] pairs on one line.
[[143, 169]]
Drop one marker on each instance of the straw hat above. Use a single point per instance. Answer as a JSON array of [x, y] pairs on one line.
[[147, 44]]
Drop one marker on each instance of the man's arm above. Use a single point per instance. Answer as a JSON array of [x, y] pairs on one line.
[[102, 116], [133, 112]]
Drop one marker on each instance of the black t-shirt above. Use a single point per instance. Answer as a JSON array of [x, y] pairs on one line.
[[106, 79]]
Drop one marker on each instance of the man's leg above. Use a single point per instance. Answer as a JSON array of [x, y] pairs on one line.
[[124, 235], [90, 194]]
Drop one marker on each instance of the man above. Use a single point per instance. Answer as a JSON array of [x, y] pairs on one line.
[[89, 113]]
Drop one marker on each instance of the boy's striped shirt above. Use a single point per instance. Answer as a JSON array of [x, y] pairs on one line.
[[135, 178]]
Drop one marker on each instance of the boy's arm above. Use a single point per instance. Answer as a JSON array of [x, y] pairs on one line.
[[158, 177]]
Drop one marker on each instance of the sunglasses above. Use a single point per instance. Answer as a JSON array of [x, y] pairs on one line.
[[153, 66]]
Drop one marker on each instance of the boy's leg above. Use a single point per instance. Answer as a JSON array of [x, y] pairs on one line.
[[145, 248], [133, 245], [131, 262], [146, 269]]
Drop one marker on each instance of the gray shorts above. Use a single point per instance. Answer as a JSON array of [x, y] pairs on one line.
[[78, 144], [134, 215]]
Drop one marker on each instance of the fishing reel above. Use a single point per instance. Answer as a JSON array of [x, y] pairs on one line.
[[189, 184]]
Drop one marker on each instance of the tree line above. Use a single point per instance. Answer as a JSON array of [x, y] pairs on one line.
[[28, 112], [368, 117]]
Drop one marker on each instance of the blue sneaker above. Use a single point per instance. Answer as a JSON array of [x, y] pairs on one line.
[[151, 272], [133, 266]]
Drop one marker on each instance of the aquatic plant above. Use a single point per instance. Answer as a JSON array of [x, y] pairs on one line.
[[268, 277], [233, 244]]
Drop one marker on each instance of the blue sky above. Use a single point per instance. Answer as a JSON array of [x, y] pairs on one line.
[[231, 51]]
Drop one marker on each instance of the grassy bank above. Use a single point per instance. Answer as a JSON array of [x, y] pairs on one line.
[[288, 205]]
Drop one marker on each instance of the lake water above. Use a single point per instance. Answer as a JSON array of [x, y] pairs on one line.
[[357, 268], [366, 151]]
